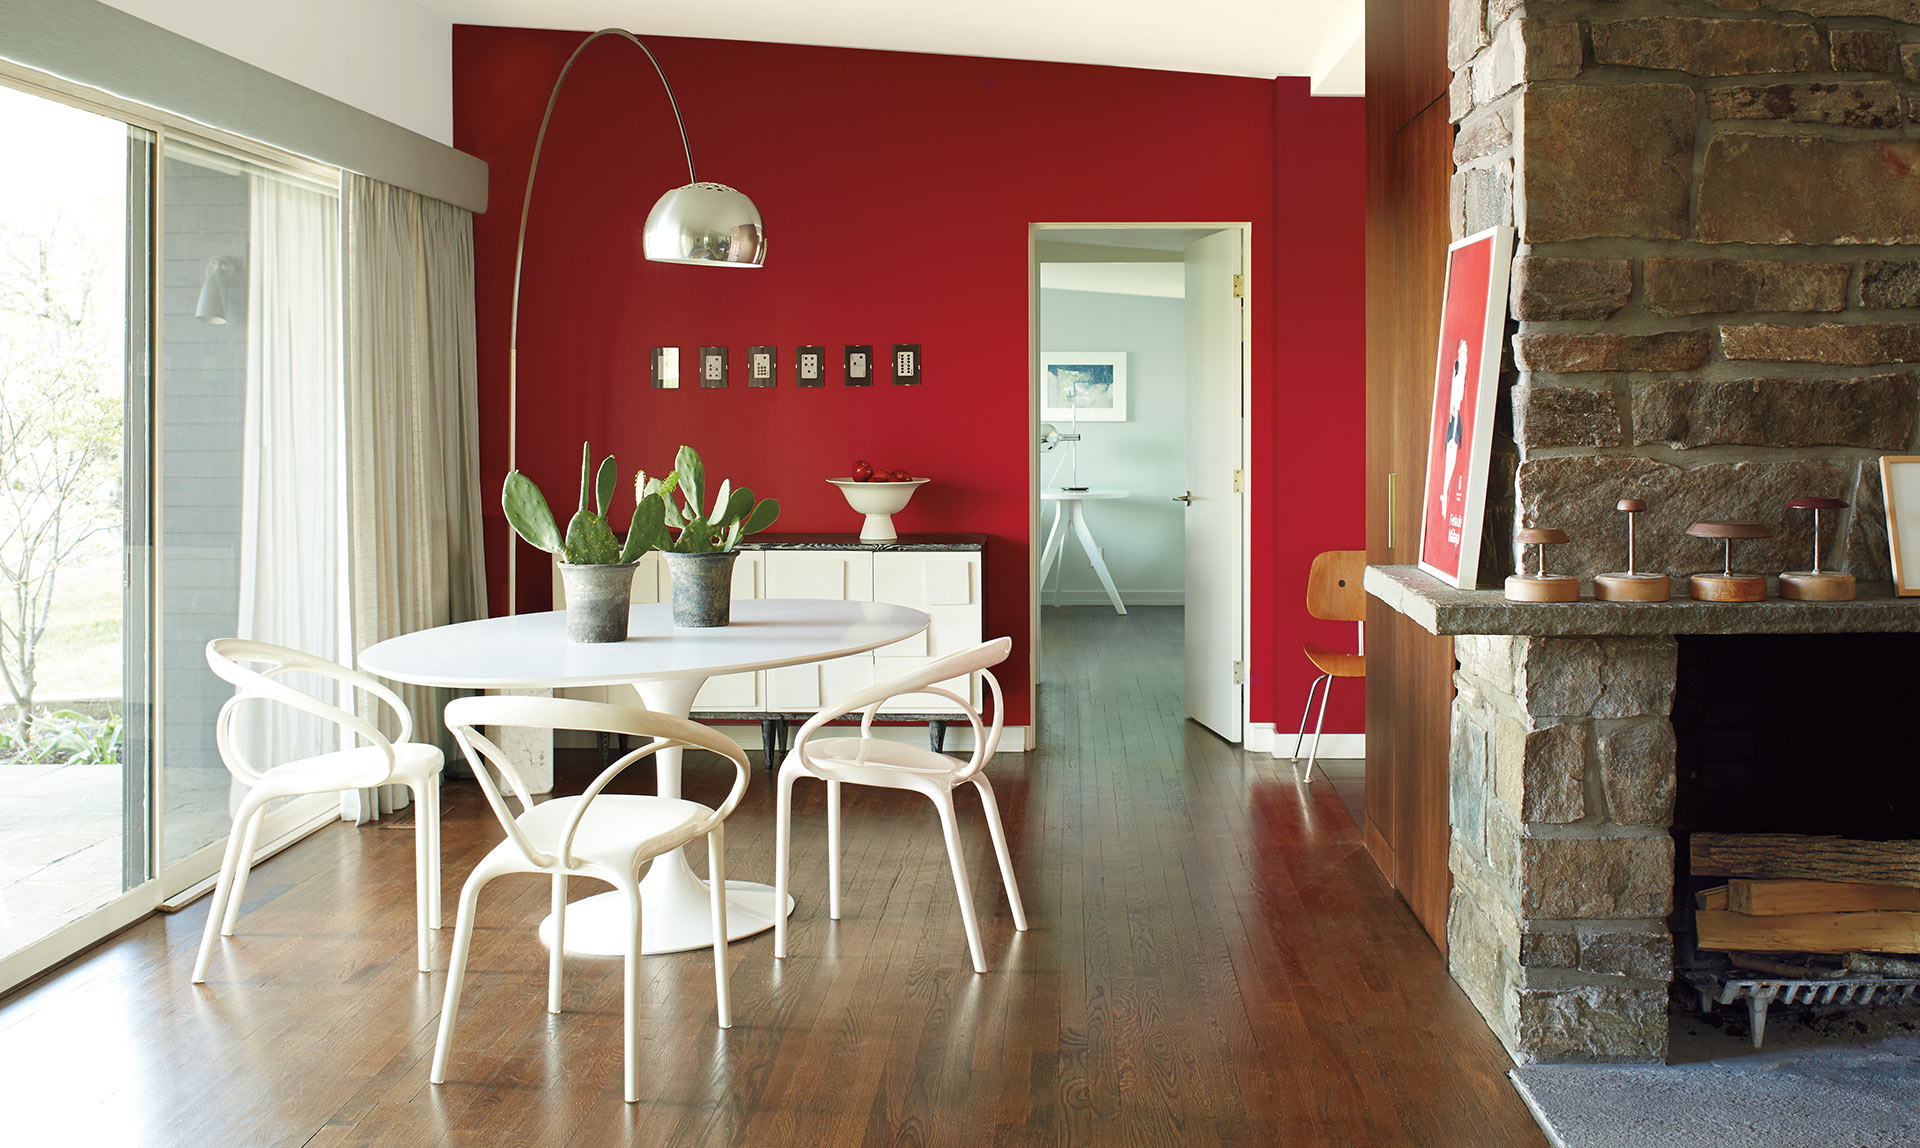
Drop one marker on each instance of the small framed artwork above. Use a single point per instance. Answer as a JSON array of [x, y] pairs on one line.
[[713, 366], [1900, 479], [762, 365], [1083, 386], [859, 365], [906, 364], [1466, 381], [810, 366], [666, 368]]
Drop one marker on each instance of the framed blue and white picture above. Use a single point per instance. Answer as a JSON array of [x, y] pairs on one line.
[[1084, 386]]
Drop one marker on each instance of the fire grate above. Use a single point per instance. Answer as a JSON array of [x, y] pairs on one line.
[[1759, 993]]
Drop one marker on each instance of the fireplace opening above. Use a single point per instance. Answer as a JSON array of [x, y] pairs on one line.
[[1812, 736]]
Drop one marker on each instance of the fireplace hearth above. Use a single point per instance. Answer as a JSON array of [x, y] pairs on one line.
[[1586, 734]]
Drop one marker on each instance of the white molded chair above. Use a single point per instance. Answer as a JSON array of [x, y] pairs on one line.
[[867, 760], [399, 761], [605, 836]]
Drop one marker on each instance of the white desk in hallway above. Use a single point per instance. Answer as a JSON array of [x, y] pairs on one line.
[[1069, 510], [667, 666]]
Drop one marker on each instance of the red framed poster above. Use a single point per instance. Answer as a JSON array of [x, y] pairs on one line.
[[1466, 381]]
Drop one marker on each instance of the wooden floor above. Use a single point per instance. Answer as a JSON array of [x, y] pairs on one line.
[[1213, 960]]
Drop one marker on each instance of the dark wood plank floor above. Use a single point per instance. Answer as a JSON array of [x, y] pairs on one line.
[[1214, 960]]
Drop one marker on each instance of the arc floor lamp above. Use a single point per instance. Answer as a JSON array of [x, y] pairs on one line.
[[705, 224]]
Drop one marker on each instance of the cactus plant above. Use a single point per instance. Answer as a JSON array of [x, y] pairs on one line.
[[735, 512], [589, 540]]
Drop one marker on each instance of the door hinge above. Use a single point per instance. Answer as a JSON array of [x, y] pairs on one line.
[[1239, 286], [1239, 673], [1239, 482]]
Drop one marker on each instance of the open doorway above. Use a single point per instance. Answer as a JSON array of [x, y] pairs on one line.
[[1141, 361]]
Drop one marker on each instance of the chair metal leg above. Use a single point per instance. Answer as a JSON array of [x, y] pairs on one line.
[[943, 801], [833, 851], [1318, 722], [456, 975], [632, 986], [999, 835], [1302, 735], [717, 889], [782, 847], [937, 736], [556, 960]]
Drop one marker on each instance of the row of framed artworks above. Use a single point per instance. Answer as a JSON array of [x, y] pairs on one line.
[[1466, 383], [809, 366]]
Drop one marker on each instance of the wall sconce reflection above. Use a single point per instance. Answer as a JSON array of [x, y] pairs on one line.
[[223, 292]]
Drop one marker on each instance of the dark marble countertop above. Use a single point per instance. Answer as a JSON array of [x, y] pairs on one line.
[[1441, 609], [955, 542]]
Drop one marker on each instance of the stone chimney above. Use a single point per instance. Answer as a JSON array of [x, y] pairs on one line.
[[1717, 282]]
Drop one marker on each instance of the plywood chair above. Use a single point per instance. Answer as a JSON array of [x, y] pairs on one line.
[[1334, 595]]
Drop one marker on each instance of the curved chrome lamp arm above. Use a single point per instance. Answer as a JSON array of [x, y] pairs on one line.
[[750, 215]]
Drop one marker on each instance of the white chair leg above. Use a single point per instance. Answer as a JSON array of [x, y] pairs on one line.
[[1322, 720], [556, 960], [717, 889], [833, 850], [432, 815], [222, 891], [1301, 737], [999, 835], [422, 880], [944, 803], [250, 844], [782, 846], [633, 995], [456, 975]]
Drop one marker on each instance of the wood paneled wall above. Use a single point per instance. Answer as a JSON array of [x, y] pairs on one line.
[[1409, 671]]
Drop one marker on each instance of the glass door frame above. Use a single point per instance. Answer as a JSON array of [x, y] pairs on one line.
[[149, 884]]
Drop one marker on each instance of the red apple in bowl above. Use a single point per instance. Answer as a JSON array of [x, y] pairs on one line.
[[862, 470], [901, 476]]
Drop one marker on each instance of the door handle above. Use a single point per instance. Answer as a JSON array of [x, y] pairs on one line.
[[1186, 498]]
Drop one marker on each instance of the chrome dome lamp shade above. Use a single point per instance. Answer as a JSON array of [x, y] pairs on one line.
[[705, 224]]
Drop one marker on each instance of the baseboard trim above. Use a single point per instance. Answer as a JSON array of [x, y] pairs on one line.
[[1263, 737], [1013, 738]]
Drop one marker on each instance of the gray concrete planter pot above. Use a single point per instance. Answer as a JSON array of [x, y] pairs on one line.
[[597, 601], [702, 588]]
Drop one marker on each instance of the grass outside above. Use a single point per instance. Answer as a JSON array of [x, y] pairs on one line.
[[80, 654]]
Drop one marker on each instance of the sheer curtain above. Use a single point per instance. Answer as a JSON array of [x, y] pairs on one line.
[[291, 501], [413, 446]]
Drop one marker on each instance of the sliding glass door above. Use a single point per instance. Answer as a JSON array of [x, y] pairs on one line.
[[73, 306], [248, 470], [171, 414]]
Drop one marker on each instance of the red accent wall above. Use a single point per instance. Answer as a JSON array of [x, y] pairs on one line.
[[897, 191]]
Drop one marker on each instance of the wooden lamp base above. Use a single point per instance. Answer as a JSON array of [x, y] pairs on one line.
[[1728, 587], [1543, 588], [1807, 586], [1632, 587]]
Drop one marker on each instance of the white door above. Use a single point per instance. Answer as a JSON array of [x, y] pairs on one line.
[[1214, 560]]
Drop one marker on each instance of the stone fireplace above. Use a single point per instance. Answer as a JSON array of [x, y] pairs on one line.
[[1715, 305], [1561, 797]]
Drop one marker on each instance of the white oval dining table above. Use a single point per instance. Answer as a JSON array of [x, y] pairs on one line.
[[666, 665]]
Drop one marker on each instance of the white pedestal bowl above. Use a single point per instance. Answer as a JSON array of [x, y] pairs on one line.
[[879, 501]]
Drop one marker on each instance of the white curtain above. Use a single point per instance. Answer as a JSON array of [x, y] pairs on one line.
[[413, 431], [291, 498]]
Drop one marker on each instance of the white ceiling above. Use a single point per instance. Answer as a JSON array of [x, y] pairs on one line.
[[1321, 39]]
